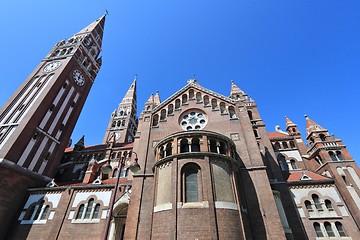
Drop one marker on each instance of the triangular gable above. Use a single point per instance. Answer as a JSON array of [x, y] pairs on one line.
[[305, 177], [97, 181], [195, 85]]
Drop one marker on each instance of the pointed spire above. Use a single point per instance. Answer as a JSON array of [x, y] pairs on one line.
[[131, 93], [157, 98], [289, 123], [97, 25], [80, 144], [151, 99], [312, 126], [235, 89]]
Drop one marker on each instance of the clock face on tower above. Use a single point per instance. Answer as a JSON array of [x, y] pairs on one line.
[[52, 66], [78, 77]]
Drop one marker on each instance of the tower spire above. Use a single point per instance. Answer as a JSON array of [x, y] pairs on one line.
[[123, 122], [236, 93]]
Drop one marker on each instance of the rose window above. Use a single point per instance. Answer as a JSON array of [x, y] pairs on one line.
[[193, 120]]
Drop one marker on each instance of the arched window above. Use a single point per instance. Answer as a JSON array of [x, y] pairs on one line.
[[308, 205], [155, 120], [250, 114], [329, 229], [340, 229], [206, 100], [184, 99], [292, 144], [232, 112], [317, 229], [170, 109], [113, 124], [213, 104], [119, 155], [328, 205], [161, 152], [282, 163], [322, 137], [318, 160], [316, 200], [191, 94], [276, 146], [80, 212], [115, 172], [345, 180], [177, 104], [212, 146], [222, 148], [190, 175], [168, 150], [256, 133], [184, 145], [222, 108], [45, 212], [339, 156], [89, 211], [293, 164], [285, 146], [195, 145], [162, 115], [122, 171], [332, 156], [198, 97]]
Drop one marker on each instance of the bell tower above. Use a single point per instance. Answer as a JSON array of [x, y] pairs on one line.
[[123, 121], [37, 121]]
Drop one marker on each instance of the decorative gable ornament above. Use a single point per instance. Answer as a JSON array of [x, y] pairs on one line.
[[97, 181], [52, 184], [305, 177]]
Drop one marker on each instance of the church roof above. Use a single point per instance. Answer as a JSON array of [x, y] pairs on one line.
[[299, 177], [276, 135]]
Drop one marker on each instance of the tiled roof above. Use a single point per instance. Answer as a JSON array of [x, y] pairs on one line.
[[296, 176], [272, 135], [101, 146]]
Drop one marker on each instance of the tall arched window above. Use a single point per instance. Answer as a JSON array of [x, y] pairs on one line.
[[293, 164], [222, 148], [168, 149], [88, 211], [250, 114], [184, 99], [170, 109], [316, 200], [276, 146], [198, 97], [190, 175], [328, 205], [177, 104], [329, 229], [340, 229], [213, 104], [162, 115], [184, 145], [322, 137], [155, 120], [317, 229], [206, 100], [292, 144], [191, 94], [212, 146], [339, 156], [333, 157], [122, 171], [308, 205], [232, 112], [115, 172], [282, 163], [195, 145], [222, 107], [285, 146]]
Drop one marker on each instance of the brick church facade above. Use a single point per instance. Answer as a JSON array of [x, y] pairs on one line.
[[209, 169]]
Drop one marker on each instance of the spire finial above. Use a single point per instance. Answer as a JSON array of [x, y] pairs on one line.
[[136, 76], [232, 82], [106, 12], [306, 116]]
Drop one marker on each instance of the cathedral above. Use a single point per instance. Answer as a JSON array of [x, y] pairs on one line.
[[197, 165]]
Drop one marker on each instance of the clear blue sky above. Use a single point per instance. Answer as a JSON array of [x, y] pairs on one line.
[[293, 57]]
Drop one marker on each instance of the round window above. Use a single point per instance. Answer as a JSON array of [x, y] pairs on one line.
[[193, 119]]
